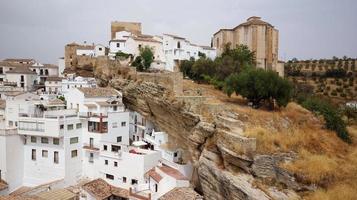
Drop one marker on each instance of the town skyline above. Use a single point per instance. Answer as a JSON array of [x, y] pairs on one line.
[[305, 31]]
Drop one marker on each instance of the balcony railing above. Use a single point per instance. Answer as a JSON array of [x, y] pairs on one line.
[[90, 147]]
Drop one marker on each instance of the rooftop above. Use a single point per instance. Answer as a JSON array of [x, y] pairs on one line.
[[54, 78], [175, 36], [21, 70], [57, 194], [154, 175], [172, 172], [181, 193], [101, 189], [3, 185], [254, 20], [99, 92], [19, 60]]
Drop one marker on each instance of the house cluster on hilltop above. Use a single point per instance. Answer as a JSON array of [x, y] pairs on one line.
[[127, 38]]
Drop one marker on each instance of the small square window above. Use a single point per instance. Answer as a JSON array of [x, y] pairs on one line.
[[119, 139], [124, 179], [115, 164], [44, 153], [105, 147], [61, 126], [70, 127], [33, 139], [79, 125], [114, 125], [44, 140], [73, 140], [74, 153], [123, 124], [106, 162], [55, 141]]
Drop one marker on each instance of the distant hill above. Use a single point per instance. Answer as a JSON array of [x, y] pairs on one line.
[[335, 78]]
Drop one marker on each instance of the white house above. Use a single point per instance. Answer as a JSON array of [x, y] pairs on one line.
[[53, 85], [23, 77], [77, 82], [44, 71]]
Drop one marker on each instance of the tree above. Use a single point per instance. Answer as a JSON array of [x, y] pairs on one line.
[[144, 60], [186, 67], [259, 86]]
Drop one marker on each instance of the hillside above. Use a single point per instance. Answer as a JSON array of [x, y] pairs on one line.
[[244, 153], [336, 79]]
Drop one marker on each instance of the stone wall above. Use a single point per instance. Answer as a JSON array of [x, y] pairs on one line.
[[171, 80]]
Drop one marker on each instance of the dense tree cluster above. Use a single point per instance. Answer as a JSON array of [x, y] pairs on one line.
[[234, 72]]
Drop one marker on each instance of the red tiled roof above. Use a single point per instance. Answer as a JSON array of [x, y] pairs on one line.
[[3, 185], [154, 175], [173, 172], [100, 189]]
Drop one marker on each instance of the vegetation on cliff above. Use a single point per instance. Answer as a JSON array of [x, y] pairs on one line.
[[234, 71], [144, 60]]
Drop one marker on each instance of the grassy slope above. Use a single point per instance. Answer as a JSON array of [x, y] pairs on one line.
[[323, 159]]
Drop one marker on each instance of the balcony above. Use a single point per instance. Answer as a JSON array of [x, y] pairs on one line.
[[90, 147]]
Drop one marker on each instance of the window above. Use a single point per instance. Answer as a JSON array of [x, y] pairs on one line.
[[115, 148], [115, 108], [175, 154], [105, 147], [123, 124], [73, 140], [119, 139], [79, 125], [134, 181], [115, 164], [74, 153], [139, 46], [100, 48], [109, 176], [178, 45], [33, 154], [124, 179], [44, 153], [118, 44], [44, 140], [155, 187], [33, 139], [91, 158], [70, 127], [114, 125], [106, 162], [55, 141], [55, 157]]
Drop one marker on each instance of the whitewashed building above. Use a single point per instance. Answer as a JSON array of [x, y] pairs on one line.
[[71, 81]]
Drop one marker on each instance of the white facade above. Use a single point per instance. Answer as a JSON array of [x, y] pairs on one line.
[[61, 66], [22, 80], [43, 71], [77, 82], [90, 139]]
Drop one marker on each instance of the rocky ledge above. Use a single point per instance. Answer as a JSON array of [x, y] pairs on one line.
[[226, 164]]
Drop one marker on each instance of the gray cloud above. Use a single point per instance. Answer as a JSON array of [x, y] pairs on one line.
[[308, 28]]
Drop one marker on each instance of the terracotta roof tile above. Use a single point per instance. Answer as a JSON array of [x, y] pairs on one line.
[[181, 193], [154, 175], [100, 189], [172, 172], [21, 70], [99, 92]]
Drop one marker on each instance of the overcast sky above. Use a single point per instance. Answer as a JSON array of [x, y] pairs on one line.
[[308, 28]]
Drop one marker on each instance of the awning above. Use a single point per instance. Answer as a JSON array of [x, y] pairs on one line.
[[139, 143]]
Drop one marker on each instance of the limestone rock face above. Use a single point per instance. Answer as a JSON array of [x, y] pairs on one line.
[[226, 166]]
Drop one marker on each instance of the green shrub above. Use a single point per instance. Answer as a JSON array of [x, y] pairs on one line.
[[331, 115], [258, 85]]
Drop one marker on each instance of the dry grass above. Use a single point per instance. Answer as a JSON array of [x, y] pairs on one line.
[[324, 159]]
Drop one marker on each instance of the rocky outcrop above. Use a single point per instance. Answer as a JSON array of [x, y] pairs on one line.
[[225, 161]]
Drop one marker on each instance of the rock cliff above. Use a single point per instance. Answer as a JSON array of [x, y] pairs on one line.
[[227, 165]]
